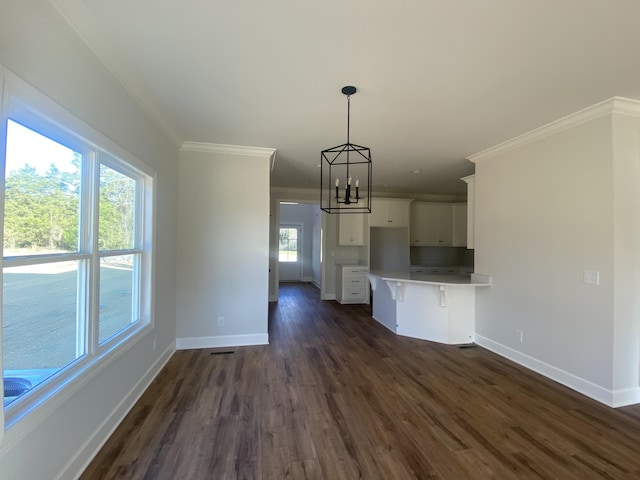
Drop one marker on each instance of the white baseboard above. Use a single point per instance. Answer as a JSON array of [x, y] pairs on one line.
[[222, 341], [306, 279], [317, 284], [622, 398], [80, 461], [610, 398], [328, 296], [273, 298]]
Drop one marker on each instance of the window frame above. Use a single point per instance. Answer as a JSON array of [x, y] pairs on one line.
[[24, 104], [298, 228]]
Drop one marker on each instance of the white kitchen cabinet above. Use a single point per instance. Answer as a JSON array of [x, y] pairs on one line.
[[471, 209], [352, 285], [431, 224], [351, 229], [389, 212], [459, 225]]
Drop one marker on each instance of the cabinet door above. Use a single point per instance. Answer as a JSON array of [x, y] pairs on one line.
[[418, 225], [351, 229], [445, 225], [389, 212], [397, 213], [432, 225], [471, 214], [378, 216], [459, 230]]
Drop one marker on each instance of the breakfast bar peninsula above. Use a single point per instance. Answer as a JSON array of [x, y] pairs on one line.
[[440, 308]]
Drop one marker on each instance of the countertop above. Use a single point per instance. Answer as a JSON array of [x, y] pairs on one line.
[[473, 280]]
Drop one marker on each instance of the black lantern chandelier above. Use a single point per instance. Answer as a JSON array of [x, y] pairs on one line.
[[345, 174]]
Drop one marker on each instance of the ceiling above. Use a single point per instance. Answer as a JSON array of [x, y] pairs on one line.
[[438, 80]]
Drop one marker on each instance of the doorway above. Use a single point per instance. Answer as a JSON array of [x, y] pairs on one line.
[[290, 253]]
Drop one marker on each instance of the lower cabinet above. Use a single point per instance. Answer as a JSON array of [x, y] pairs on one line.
[[352, 285]]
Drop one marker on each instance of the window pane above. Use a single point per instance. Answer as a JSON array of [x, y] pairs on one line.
[[41, 334], [117, 282], [42, 194], [117, 203], [288, 245]]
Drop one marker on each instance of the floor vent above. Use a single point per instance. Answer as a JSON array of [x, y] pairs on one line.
[[222, 353]]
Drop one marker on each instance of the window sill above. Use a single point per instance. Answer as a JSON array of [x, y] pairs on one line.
[[24, 414]]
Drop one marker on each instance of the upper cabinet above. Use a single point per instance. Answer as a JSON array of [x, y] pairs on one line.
[[351, 229], [389, 212], [459, 225], [431, 224], [471, 209]]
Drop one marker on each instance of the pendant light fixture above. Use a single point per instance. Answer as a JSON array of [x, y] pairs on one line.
[[345, 173]]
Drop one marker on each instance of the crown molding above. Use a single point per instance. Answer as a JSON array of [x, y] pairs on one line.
[[469, 178], [222, 149], [80, 20], [619, 105]]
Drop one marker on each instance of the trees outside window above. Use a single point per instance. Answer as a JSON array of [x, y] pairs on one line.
[[76, 257]]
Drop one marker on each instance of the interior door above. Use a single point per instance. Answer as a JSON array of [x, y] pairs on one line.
[[289, 253]]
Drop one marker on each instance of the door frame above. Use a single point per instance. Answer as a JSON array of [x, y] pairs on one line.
[[323, 237], [298, 226]]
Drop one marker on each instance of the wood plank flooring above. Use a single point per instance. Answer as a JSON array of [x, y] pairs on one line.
[[337, 396]]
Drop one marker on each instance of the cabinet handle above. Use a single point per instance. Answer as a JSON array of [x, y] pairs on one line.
[[389, 221]]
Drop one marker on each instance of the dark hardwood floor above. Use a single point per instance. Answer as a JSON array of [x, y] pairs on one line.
[[337, 396]]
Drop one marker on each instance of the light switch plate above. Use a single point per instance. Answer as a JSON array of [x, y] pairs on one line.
[[591, 277]]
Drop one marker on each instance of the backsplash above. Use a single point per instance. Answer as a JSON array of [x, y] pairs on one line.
[[437, 256]]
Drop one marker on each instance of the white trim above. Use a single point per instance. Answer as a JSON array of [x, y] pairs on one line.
[[328, 296], [306, 279], [55, 394], [229, 149], [619, 105], [80, 461], [622, 398], [581, 385], [22, 100], [273, 298], [191, 343], [4, 95]]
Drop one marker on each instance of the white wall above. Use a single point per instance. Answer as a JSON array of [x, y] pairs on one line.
[[547, 209], [223, 248], [626, 258], [38, 46]]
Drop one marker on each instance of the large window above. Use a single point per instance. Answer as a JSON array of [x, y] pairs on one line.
[[76, 256]]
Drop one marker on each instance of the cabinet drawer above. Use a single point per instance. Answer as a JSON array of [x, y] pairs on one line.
[[354, 293], [354, 281], [354, 271]]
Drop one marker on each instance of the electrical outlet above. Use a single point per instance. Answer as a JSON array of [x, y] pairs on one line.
[[520, 335], [220, 321]]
